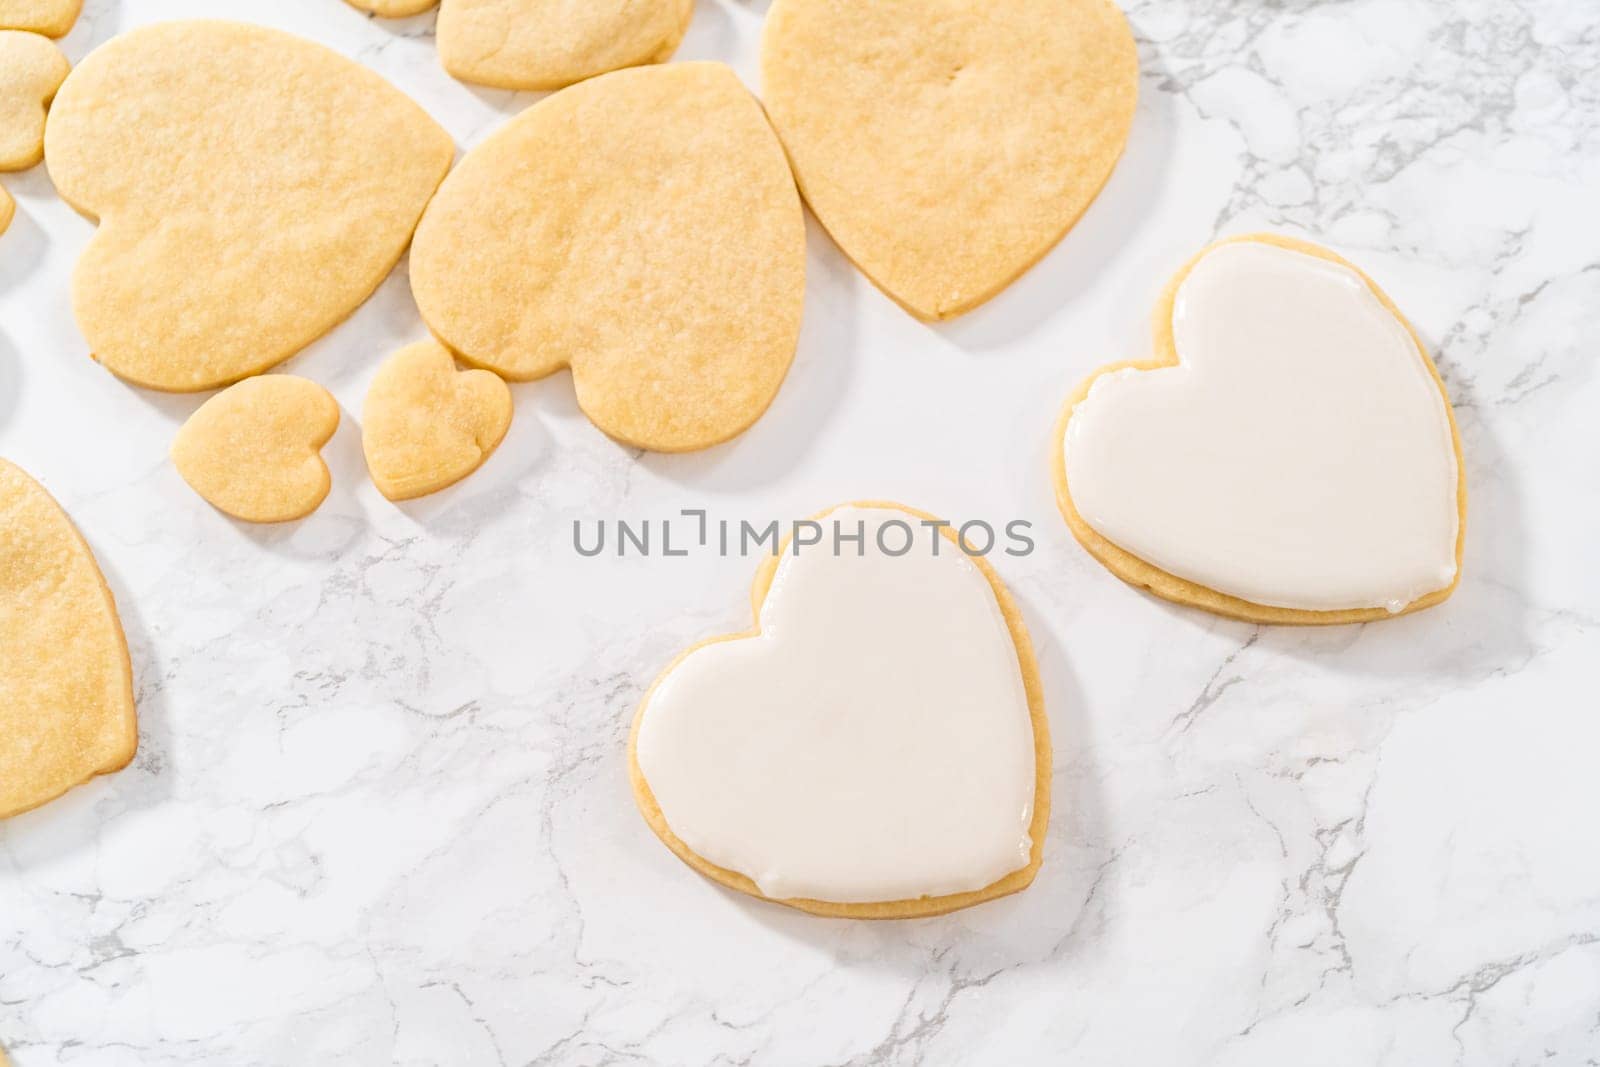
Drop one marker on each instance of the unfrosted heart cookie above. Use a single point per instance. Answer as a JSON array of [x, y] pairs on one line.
[[1288, 455], [642, 228], [546, 44], [254, 450], [53, 18], [238, 221], [393, 9], [8, 209], [875, 748], [66, 687], [31, 70], [426, 425], [947, 145]]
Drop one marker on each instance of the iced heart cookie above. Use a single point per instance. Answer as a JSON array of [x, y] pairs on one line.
[[393, 9], [426, 425], [31, 70], [1288, 455], [66, 687], [53, 18], [546, 44], [238, 222], [254, 450], [642, 228], [875, 748], [947, 145]]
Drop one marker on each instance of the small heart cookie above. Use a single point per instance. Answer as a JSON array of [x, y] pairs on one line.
[[947, 145], [254, 450], [426, 425], [66, 686], [31, 70], [875, 748], [53, 18], [8, 209], [546, 44], [1289, 455], [238, 221], [641, 228], [393, 9]]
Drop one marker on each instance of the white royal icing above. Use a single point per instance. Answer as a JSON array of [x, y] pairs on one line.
[[873, 743], [1299, 456]]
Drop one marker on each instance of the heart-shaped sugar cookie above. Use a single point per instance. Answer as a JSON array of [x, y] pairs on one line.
[[426, 425], [254, 450], [876, 748], [238, 221], [393, 9], [546, 44], [53, 18], [31, 70], [641, 228], [947, 145], [8, 209], [66, 687], [1289, 454]]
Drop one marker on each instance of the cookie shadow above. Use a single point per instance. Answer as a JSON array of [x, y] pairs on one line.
[[22, 245], [98, 22], [348, 354], [807, 398], [174, 408], [1033, 928], [1100, 235], [10, 379], [711, 36], [153, 780], [505, 102]]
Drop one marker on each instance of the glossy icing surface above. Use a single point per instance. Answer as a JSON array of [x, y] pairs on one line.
[[1300, 455], [872, 743]]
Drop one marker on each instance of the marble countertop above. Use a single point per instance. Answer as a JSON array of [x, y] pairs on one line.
[[380, 812]]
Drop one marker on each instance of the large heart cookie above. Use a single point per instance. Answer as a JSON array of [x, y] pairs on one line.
[[425, 425], [545, 44], [31, 70], [947, 145], [66, 687], [876, 748], [53, 18], [1288, 455], [254, 450], [642, 228], [239, 220]]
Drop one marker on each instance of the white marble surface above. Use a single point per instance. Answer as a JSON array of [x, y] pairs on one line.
[[380, 812]]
